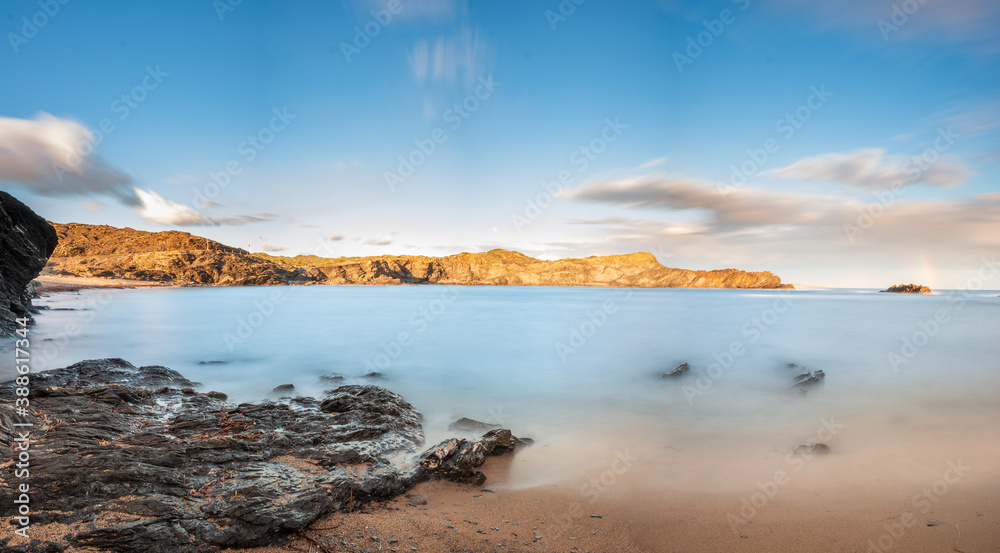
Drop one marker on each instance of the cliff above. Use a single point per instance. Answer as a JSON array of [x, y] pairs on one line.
[[178, 257], [26, 241]]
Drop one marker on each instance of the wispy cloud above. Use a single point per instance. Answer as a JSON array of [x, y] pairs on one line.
[[156, 209], [873, 169], [384, 240], [460, 57]]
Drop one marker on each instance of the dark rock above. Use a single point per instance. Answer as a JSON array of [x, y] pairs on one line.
[[471, 425], [374, 374], [213, 362], [332, 377], [812, 449], [206, 475], [908, 289], [808, 378], [676, 371], [26, 242], [458, 460], [282, 390], [217, 395]]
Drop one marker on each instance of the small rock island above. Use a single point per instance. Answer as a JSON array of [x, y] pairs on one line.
[[908, 289]]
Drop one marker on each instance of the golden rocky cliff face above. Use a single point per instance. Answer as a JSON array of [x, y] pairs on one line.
[[180, 258]]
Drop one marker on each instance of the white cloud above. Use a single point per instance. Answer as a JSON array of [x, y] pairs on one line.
[[456, 58], [55, 157], [156, 209], [380, 241]]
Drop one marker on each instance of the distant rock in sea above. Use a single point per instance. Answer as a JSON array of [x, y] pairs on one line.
[[908, 289], [676, 371], [181, 259], [26, 241]]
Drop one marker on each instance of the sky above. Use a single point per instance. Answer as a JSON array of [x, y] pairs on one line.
[[846, 144]]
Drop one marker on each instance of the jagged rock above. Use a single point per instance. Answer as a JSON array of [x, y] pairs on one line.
[[26, 241], [181, 258], [812, 449], [124, 460], [466, 424], [374, 374], [908, 289], [458, 460], [332, 377], [676, 371]]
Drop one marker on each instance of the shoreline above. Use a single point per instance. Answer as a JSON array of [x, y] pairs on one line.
[[51, 284], [444, 517]]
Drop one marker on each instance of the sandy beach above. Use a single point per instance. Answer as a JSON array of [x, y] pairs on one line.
[[627, 519], [50, 284]]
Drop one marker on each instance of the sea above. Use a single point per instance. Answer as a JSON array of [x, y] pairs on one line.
[[910, 381]]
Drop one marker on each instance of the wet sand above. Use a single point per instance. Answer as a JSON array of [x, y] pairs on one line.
[[629, 516]]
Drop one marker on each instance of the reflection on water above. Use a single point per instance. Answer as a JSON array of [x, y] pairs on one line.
[[577, 368]]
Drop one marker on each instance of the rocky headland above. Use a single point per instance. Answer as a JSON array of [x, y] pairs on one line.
[[26, 241], [181, 258], [134, 459], [907, 289]]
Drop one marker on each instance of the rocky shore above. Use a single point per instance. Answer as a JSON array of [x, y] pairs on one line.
[[134, 459], [181, 258]]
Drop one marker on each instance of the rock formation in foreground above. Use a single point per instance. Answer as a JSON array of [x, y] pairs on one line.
[[908, 289], [180, 258], [133, 459], [26, 241]]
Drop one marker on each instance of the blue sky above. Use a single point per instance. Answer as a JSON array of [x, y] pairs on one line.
[[644, 124]]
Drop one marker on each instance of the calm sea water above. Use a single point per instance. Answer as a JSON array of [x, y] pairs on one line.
[[577, 368]]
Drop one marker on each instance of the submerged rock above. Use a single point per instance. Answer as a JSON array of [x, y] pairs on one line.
[[808, 378], [676, 371], [332, 377], [471, 425], [812, 449], [908, 289], [124, 460], [282, 390]]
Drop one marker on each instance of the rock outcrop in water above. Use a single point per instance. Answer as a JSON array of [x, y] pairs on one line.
[[26, 241], [180, 258], [135, 460], [908, 289]]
